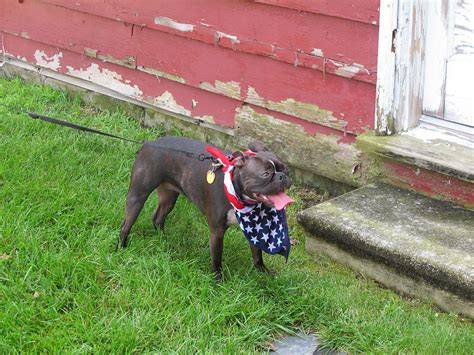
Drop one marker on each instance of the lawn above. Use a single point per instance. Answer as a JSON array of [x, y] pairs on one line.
[[63, 288]]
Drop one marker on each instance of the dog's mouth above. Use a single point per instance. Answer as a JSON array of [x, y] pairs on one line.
[[279, 200]]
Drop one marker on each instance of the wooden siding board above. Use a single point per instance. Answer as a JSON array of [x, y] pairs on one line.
[[349, 101], [199, 102], [273, 81], [127, 81], [357, 10], [256, 29]]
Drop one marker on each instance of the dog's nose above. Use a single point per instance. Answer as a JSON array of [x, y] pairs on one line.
[[279, 176], [283, 179]]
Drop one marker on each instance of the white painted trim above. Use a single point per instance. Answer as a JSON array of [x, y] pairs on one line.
[[411, 67], [400, 74], [459, 91], [409, 64], [460, 131], [386, 67], [437, 52]]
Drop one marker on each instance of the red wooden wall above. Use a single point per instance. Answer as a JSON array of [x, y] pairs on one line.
[[310, 62]]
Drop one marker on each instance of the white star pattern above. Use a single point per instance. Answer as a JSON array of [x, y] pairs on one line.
[[271, 247], [266, 229]]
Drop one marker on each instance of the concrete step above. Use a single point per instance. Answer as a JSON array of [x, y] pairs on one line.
[[408, 242]]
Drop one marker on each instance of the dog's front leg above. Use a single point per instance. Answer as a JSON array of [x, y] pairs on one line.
[[217, 246], [258, 258]]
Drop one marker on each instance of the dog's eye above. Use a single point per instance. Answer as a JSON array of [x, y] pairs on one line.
[[266, 174]]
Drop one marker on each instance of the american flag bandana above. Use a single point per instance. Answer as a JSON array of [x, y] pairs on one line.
[[264, 227]]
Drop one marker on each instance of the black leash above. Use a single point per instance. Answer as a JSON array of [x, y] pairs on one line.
[[78, 127], [67, 124], [35, 116]]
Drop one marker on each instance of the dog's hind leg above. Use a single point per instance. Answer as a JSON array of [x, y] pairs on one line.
[[133, 207], [167, 196], [141, 186]]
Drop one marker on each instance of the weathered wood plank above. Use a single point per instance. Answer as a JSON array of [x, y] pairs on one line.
[[358, 10], [332, 101], [255, 29], [146, 87], [384, 120], [400, 84]]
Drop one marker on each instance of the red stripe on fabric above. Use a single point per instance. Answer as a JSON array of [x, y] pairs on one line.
[[234, 200], [218, 154]]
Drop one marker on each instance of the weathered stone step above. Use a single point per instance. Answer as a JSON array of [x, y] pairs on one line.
[[406, 241]]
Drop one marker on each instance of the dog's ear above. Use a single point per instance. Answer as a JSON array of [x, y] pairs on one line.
[[239, 159], [257, 146]]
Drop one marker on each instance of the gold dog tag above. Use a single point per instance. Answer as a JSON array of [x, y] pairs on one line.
[[210, 177]]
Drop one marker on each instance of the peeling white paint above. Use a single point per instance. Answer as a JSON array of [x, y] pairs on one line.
[[52, 62], [304, 110], [348, 70], [107, 78], [194, 103], [206, 118], [317, 52], [170, 23], [230, 88], [166, 101], [161, 74], [220, 35], [254, 98]]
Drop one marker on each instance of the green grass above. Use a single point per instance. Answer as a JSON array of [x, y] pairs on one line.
[[63, 288]]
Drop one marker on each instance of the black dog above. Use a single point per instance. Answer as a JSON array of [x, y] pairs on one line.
[[171, 165]]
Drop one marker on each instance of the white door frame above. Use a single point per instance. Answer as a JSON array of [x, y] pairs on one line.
[[404, 55]]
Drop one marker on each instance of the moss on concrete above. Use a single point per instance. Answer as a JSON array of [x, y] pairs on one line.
[[421, 238], [444, 157]]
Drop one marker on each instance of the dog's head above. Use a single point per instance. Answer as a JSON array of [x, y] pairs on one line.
[[263, 177]]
